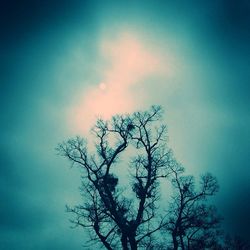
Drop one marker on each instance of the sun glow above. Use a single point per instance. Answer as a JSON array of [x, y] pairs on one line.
[[127, 62], [102, 86]]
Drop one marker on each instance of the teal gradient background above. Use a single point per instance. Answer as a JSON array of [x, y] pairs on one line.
[[51, 57]]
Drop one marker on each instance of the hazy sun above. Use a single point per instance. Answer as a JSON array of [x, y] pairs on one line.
[[102, 86]]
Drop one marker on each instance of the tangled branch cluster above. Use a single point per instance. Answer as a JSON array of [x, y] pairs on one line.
[[116, 220]]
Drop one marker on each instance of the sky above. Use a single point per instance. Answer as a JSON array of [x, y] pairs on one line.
[[66, 63]]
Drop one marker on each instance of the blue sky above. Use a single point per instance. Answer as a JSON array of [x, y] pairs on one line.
[[63, 61]]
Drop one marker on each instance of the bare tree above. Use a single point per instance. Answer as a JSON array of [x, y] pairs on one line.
[[192, 223], [232, 242], [117, 220]]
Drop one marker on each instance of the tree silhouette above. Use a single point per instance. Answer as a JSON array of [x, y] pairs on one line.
[[192, 223], [117, 220], [123, 210], [232, 242]]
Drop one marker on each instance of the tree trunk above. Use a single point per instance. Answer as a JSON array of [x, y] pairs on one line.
[[182, 243], [175, 242], [188, 244], [124, 241], [133, 243]]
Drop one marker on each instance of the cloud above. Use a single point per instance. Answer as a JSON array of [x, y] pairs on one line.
[[127, 62]]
